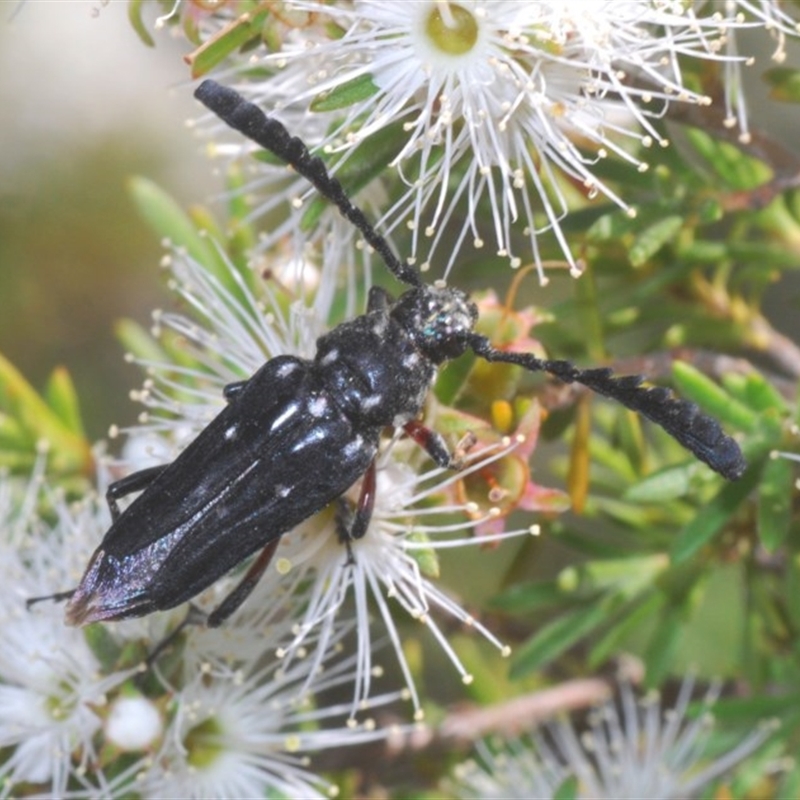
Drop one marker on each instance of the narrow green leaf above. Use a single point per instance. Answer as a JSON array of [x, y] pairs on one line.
[[735, 710], [489, 684], [628, 576], [712, 398], [13, 437], [166, 217], [775, 502], [611, 226], [558, 636], [216, 49], [426, 557], [764, 254], [137, 23], [666, 484], [711, 518], [755, 392], [567, 789], [660, 652], [346, 94], [69, 452], [708, 252], [522, 598], [138, 341], [63, 399], [638, 617], [653, 238], [727, 161], [103, 645]]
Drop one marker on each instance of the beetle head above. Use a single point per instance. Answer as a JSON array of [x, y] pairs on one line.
[[439, 320]]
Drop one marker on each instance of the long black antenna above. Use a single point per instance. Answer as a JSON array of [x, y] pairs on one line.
[[267, 132], [682, 419]]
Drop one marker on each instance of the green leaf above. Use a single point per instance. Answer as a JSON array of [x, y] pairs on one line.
[[763, 254], [653, 238], [138, 341], [727, 161], [775, 502], [426, 557], [69, 452], [166, 217], [712, 398], [784, 84], [660, 652], [228, 40], [666, 484], [137, 23], [63, 399], [638, 616], [755, 392], [522, 598], [629, 576], [103, 645], [567, 789], [612, 226], [559, 635], [346, 94], [714, 515], [704, 251]]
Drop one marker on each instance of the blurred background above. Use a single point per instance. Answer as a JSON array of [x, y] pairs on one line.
[[85, 106]]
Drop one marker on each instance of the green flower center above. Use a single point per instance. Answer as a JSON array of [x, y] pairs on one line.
[[454, 32], [60, 706], [202, 743]]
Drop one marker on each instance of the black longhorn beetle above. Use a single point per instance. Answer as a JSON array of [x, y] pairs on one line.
[[299, 433]]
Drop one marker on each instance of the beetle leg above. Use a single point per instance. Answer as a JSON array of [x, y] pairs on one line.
[[434, 445], [194, 616], [134, 482], [232, 390], [244, 588], [352, 522]]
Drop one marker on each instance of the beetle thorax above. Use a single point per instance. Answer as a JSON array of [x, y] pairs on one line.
[[438, 318]]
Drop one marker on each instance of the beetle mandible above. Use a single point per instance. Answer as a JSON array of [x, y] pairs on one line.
[[247, 478]]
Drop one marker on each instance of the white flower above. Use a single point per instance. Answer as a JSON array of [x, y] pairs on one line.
[[626, 754], [497, 99], [392, 566], [235, 734], [52, 687]]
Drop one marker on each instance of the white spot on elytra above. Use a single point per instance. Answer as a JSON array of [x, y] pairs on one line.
[[411, 360], [330, 357], [231, 432], [351, 448], [318, 406], [372, 401], [282, 491], [286, 369]]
